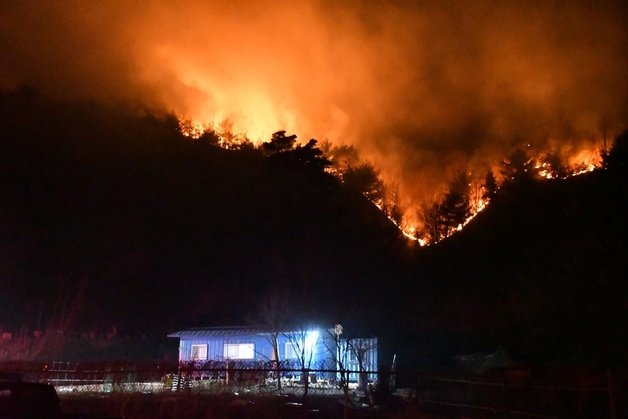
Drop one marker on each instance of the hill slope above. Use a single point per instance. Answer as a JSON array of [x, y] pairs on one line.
[[116, 217], [542, 271], [111, 218]]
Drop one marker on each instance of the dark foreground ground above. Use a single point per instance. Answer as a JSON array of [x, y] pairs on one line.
[[224, 406], [165, 406]]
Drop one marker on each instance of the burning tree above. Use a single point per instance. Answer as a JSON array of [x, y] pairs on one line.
[[557, 169], [455, 207], [365, 180], [441, 219], [518, 166], [432, 229], [489, 187]]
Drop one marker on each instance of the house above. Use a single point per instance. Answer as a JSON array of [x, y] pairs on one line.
[[313, 348]]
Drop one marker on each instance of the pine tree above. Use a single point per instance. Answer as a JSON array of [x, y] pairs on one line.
[[456, 207]]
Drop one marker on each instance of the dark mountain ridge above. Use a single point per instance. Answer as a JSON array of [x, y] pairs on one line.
[[542, 271], [110, 217]]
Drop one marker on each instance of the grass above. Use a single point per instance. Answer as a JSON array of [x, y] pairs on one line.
[[191, 405]]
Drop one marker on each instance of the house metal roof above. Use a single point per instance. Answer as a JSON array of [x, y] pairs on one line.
[[219, 331]]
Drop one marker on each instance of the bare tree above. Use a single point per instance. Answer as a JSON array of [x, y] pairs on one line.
[[51, 338], [304, 341], [360, 348], [275, 317], [340, 355]]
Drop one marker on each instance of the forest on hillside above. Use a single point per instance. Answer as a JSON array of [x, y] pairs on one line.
[[103, 208], [112, 220]]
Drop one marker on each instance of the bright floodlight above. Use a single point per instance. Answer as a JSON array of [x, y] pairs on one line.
[[310, 340]]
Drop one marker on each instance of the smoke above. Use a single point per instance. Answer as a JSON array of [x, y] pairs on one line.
[[422, 88]]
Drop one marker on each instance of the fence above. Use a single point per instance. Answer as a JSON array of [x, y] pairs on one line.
[[208, 377], [539, 394], [589, 395]]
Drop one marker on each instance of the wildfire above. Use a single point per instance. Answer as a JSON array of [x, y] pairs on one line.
[[394, 79], [221, 133], [548, 166], [545, 166], [191, 129], [584, 161], [408, 231], [411, 233]]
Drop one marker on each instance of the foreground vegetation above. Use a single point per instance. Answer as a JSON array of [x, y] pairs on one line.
[[193, 405]]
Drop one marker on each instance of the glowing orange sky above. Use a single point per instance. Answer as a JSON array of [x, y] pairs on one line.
[[421, 88]]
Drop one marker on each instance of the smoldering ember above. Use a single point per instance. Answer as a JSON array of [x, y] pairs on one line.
[[316, 200]]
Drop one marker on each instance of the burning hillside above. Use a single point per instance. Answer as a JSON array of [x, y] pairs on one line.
[[465, 196]]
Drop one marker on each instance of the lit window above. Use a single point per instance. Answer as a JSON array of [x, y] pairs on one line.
[[199, 352], [302, 346], [239, 351], [290, 351]]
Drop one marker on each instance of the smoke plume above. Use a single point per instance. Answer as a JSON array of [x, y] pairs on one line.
[[421, 88]]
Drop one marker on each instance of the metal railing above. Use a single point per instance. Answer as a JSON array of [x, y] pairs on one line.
[[600, 394], [601, 397]]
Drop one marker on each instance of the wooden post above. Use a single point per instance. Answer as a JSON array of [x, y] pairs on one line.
[[230, 375], [345, 389], [305, 375], [504, 395], [612, 402]]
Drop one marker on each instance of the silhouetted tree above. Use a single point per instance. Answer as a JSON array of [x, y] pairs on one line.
[[339, 352], [360, 348], [455, 207], [391, 204], [557, 168], [432, 228], [343, 157], [441, 218], [189, 129], [617, 158], [310, 156], [279, 142], [228, 139], [210, 137], [275, 317], [304, 342], [365, 180], [281, 149], [516, 167], [489, 186]]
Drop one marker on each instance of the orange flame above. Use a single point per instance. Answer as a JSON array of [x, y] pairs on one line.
[[583, 161]]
